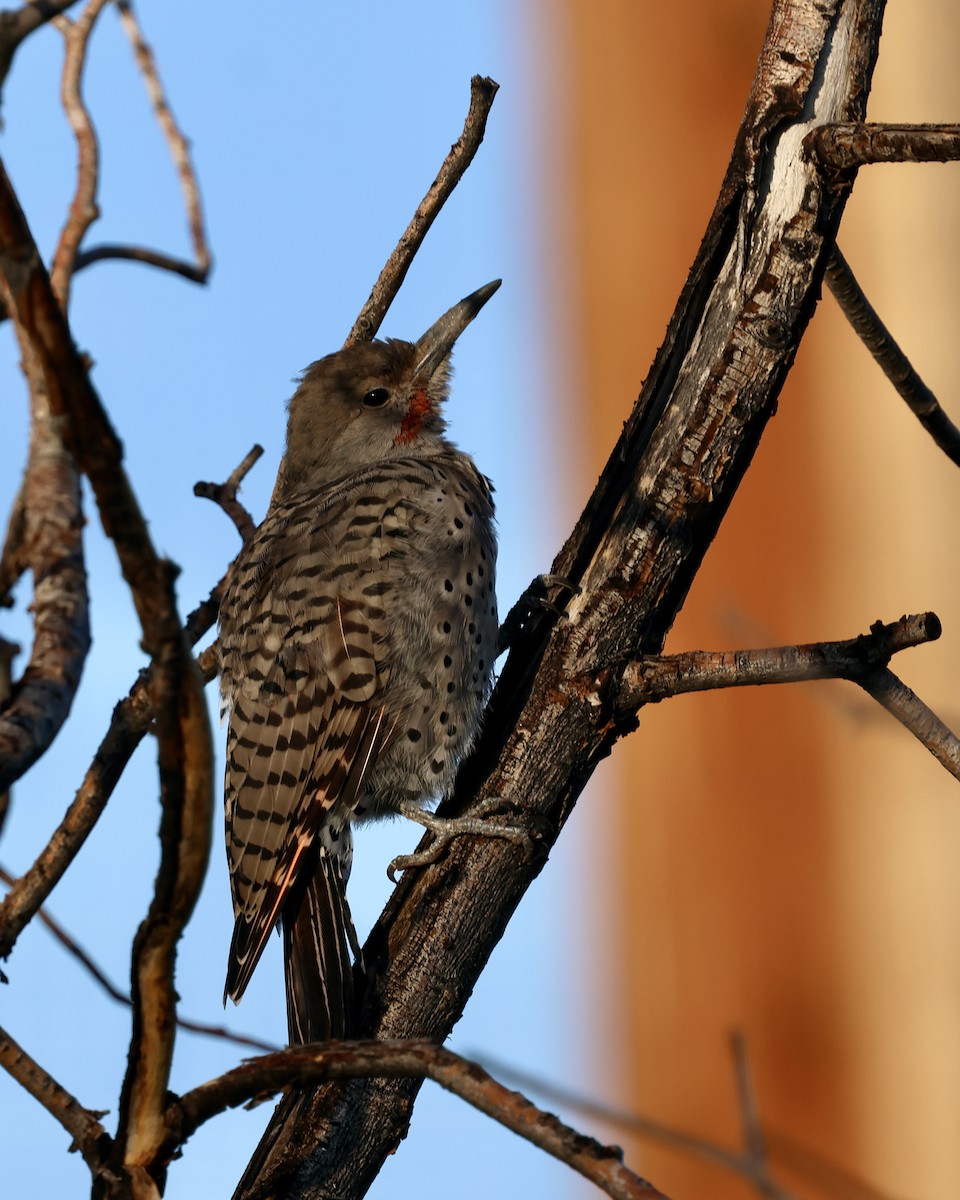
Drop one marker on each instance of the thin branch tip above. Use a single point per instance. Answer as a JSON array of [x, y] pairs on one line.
[[483, 90], [871, 330], [225, 494]]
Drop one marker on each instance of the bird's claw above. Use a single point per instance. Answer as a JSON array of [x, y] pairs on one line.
[[445, 829]]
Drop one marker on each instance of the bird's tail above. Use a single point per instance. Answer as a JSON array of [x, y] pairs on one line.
[[316, 953]]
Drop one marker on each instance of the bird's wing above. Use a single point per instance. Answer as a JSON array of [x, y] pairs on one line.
[[304, 650]]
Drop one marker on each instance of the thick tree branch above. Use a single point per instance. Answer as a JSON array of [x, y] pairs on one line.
[[45, 530], [13, 561], [634, 553], [892, 360], [8, 652], [40, 700], [44, 536]]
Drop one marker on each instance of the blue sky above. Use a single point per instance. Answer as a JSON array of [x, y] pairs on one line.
[[315, 129]]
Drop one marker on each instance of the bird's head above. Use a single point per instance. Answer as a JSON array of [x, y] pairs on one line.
[[374, 401]]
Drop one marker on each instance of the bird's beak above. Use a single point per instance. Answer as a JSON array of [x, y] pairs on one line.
[[438, 341]]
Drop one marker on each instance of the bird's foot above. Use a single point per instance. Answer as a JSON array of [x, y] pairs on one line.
[[537, 596], [445, 829]]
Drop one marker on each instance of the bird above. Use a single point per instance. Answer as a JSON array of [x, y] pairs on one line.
[[358, 633]]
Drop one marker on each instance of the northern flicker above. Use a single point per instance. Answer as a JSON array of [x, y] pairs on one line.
[[358, 634]]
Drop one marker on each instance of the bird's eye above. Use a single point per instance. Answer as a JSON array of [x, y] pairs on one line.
[[376, 399]]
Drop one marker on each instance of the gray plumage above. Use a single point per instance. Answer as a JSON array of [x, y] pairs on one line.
[[358, 634]]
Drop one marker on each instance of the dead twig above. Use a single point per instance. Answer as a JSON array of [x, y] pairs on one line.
[[179, 151], [83, 208], [657, 677], [893, 362], [904, 704], [462, 152], [141, 254], [225, 494], [829, 1178], [862, 660]]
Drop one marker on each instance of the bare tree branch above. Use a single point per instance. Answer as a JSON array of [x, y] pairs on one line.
[[185, 752], [141, 254], [602, 1165], [862, 660], [45, 534], [83, 1126], [40, 700], [892, 360], [17, 24], [132, 719], [656, 677], [828, 1176], [83, 208], [462, 152], [179, 152], [225, 494], [8, 652], [904, 704], [847, 145]]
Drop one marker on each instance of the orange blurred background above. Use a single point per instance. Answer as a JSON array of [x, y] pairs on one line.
[[786, 857]]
